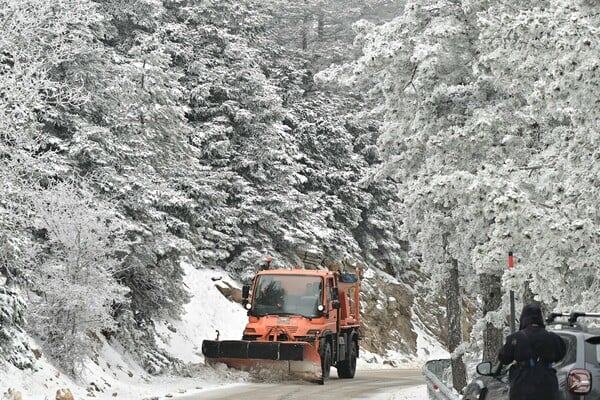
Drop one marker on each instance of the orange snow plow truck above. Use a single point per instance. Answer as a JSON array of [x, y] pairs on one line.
[[300, 324]]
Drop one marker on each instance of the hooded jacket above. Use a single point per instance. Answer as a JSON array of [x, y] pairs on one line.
[[533, 349], [531, 315]]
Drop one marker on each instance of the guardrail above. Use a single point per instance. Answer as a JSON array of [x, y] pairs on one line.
[[437, 389]]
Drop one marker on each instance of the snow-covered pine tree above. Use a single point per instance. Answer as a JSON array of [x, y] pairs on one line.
[[322, 29], [133, 136], [418, 65], [30, 94], [543, 58]]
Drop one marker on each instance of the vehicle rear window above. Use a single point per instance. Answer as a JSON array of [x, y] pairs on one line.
[[592, 350], [571, 355]]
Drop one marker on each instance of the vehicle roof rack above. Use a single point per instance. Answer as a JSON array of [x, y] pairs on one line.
[[572, 317]]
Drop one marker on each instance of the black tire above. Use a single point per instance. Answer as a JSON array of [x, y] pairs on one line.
[[325, 362], [347, 368]]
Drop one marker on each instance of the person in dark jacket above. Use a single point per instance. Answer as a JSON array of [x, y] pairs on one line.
[[533, 349]]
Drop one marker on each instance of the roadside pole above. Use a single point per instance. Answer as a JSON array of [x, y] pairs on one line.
[[511, 266]]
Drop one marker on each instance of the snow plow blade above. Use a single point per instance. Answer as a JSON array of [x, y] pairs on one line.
[[265, 359]]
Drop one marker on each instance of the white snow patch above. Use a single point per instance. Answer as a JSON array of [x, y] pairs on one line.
[[412, 393], [428, 348], [207, 312]]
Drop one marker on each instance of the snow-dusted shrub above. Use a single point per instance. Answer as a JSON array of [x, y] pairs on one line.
[[73, 284]]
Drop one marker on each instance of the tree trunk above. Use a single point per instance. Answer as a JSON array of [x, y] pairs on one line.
[[453, 309], [305, 20], [320, 27], [492, 336]]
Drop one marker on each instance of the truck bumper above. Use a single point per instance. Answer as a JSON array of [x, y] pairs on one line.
[[245, 349], [265, 359]]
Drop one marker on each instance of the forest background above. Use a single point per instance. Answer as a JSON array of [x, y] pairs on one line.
[[419, 139]]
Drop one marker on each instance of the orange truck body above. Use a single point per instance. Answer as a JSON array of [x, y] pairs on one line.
[[300, 323]]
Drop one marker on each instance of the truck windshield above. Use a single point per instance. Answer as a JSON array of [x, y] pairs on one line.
[[287, 295]]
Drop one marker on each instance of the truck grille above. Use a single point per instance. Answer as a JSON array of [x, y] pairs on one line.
[[290, 329]]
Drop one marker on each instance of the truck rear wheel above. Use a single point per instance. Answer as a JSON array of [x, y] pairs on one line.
[[325, 363], [347, 368]]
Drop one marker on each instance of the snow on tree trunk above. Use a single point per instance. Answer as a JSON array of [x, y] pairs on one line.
[[454, 310], [491, 288], [528, 296]]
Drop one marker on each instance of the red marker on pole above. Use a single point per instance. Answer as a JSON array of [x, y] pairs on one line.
[[511, 260]]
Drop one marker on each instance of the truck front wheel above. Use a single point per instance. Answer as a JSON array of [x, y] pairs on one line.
[[325, 362], [347, 368]]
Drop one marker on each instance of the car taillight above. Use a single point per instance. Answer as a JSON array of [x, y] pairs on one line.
[[579, 381]]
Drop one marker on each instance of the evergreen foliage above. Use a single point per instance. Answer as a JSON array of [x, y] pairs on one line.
[[13, 341]]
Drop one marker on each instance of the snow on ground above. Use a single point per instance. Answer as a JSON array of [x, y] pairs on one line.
[[207, 312], [413, 393], [428, 348], [116, 376]]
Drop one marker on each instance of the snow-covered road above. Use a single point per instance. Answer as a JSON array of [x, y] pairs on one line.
[[384, 384]]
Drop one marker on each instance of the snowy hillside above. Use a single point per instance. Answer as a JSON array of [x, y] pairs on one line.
[[115, 375]]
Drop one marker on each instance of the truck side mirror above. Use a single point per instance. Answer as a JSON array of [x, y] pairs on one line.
[[335, 297], [245, 294]]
